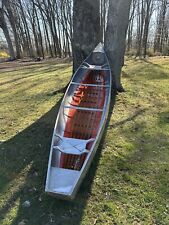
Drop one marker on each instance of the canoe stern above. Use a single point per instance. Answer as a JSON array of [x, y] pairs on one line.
[[61, 182]]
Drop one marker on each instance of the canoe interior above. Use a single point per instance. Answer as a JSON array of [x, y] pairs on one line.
[[82, 124]]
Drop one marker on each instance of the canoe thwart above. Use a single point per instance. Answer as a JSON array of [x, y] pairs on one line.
[[86, 65], [83, 108], [91, 85]]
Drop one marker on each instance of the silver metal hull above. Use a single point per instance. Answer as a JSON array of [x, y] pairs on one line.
[[71, 155]]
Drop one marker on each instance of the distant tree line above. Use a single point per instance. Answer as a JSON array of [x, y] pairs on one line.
[[39, 28], [148, 31]]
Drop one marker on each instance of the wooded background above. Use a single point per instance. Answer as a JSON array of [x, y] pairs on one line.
[[65, 28], [41, 28]]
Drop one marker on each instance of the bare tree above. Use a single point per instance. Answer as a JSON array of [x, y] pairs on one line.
[[161, 35], [148, 13], [4, 27], [131, 24], [13, 21]]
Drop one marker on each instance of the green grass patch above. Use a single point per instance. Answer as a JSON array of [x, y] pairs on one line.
[[3, 54], [128, 182]]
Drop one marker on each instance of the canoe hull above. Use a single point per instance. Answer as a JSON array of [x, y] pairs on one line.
[[68, 166]]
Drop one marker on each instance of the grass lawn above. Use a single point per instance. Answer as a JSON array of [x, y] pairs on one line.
[[128, 182]]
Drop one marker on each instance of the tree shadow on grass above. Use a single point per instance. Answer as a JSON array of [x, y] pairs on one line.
[[23, 164], [135, 115], [27, 149], [152, 71], [43, 68]]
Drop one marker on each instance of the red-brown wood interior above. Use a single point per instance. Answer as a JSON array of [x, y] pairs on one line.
[[83, 124]]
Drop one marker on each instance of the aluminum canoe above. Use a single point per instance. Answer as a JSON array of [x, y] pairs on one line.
[[79, 125]]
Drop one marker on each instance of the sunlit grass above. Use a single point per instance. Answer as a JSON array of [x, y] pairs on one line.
[[128, 182], [26, 94], [3, 54]]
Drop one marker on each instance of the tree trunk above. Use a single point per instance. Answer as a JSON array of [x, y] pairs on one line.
[[39, 33], [149, 9], [130, 26], [86, 29], [140, 27], [103, 14], [118, 19]]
